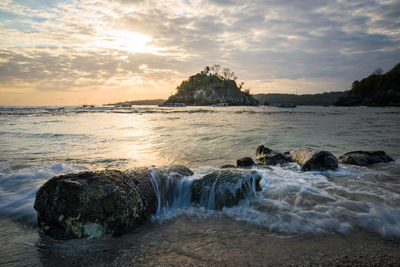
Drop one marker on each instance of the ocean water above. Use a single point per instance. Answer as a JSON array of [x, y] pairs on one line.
[[37, 143]]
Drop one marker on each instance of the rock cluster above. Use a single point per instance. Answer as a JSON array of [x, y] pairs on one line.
[[91, 204], [96, 203], [315, 160]]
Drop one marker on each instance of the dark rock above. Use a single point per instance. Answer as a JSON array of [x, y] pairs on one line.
[[227, 166], [310, 159], [364, 158], [245, 162], [88, 203], [94, 203], [225, 188], [268, 156]]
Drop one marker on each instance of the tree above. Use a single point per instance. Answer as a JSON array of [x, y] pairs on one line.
[[227, 74], [215, 69], [247, 90], [206, 70]]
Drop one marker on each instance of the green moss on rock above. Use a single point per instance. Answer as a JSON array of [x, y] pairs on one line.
[[95, 203]]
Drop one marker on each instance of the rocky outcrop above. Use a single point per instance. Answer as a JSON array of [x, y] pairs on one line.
[[210, 88], [268, 156], [94, 203], [225, 188], [364, 158], [310, 159], [245, 162]]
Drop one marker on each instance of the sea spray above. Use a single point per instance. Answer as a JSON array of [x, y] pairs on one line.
[[18, 186]]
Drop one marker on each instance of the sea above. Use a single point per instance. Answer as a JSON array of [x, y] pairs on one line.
[[297, 213]]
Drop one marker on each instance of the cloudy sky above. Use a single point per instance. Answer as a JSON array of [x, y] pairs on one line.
[[100, 51]]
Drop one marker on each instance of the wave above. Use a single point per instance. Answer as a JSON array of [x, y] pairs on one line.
[[295, 202], [18, 187]]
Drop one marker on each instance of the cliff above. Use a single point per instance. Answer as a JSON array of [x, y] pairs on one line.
[[376, 90], [209, 87]]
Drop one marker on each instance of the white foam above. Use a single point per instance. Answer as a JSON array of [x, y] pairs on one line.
[[18, 187], [296, 202]]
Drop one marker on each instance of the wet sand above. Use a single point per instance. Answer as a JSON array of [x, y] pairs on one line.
[[192, 241]]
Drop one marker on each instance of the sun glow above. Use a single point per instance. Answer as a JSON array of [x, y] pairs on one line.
[[133, 42]]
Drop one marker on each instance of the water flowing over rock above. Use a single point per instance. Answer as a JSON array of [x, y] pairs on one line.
[[314, 160], [268, 156], [364, 158], [225, 188], [94, 203]]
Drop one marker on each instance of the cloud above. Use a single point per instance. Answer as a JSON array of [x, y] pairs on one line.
[[76, 45]]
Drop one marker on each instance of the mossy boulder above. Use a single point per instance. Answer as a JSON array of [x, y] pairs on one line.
[[225, 188], [95, 203]]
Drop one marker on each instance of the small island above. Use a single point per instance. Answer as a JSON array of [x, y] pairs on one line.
[[210, 87]]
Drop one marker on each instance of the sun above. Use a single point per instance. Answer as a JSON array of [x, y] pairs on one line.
[[133, 42]]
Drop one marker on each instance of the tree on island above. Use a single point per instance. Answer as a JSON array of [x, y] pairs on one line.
[[210, 86], [378, 89]]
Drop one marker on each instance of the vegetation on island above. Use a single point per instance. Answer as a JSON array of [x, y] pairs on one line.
[[378, 89], [327, 98], [212, 86]]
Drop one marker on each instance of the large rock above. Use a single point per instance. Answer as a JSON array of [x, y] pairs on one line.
[[94, 203], [225, 188], [268, 156], [364, 158], [310, 159], [245, 162]]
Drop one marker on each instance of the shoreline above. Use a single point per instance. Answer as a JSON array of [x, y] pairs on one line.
[[214, 241]]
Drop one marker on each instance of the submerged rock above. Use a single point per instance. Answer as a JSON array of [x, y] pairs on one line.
[[227, 166], [245, 162], [364, 158], [94, 203], [314, 160], [225, 188], [268, 156]]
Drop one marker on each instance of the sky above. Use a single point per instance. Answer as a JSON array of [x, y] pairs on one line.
[[102, 51]]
